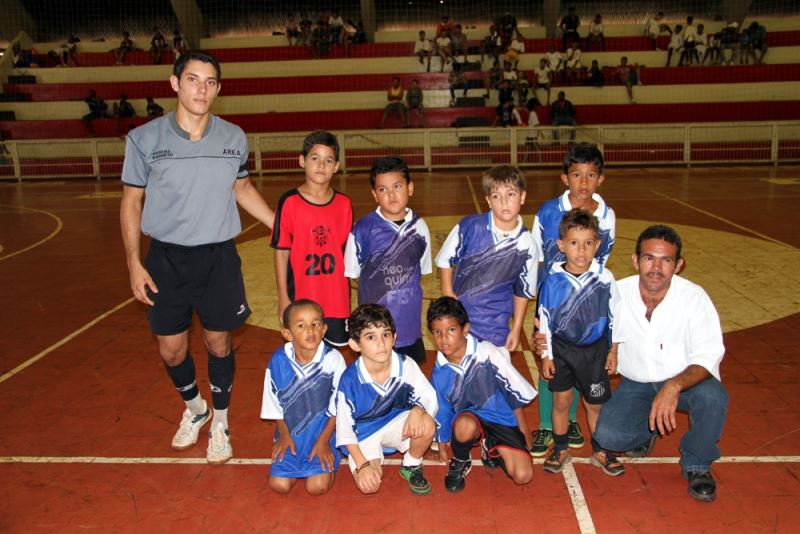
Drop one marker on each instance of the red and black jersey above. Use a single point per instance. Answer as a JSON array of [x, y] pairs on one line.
[[315, 235]]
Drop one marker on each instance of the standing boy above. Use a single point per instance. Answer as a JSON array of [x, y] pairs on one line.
[[481, 397], [384, 403], [389, 250], [496, 261], [582, 174], [300, 395], [192, 166], [312, 223], [576, 309]]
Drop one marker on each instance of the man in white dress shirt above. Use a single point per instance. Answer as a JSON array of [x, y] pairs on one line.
[[669, 357]]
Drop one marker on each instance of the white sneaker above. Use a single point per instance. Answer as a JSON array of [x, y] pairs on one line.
[[219, 445], [189, 429]]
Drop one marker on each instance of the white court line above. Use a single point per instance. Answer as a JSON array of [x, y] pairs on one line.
[[474, 195], [582, 514], [59, 226]]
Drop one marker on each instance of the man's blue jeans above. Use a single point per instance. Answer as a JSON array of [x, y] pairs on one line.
[[624, 420]]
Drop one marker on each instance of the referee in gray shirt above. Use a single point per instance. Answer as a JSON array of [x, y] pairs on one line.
[[183, 176]]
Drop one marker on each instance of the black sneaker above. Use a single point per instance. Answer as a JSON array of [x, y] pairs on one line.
[[608, 463], [457, 471], [643, 450], [555, 462], [416, 481], [488, 461], [542, 439], [575, 435], [701, 485]]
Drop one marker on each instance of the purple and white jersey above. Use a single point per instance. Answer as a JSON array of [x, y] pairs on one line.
[[545, 231], [389, 261], [492, 267]]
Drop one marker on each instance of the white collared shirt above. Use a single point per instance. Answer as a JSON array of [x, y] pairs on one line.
[[683, 330]]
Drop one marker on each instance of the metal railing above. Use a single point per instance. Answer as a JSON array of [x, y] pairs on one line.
[[447, 148]]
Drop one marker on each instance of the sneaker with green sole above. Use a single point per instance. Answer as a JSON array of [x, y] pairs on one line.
[[542, 439], [416, 481], [575, 435]]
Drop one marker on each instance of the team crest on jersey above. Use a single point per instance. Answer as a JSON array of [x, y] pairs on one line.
[[596, 390], [320, 235]]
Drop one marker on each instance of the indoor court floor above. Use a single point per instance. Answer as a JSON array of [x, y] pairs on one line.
[[88, 412]]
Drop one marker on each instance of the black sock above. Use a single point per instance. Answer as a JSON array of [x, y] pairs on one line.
[[220, 375], [461, 448], [561, 441], [183, 376]]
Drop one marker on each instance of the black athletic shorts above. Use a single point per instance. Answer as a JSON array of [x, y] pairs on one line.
[[415, 351], [582, 366], [205, 278], [500, 436], [337, 331]]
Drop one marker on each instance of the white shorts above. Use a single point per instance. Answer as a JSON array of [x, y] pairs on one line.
[[388, 437]]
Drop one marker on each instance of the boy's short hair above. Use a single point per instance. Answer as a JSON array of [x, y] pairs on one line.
[[368, 315], [503, 175], [388, 164], [660, 231], [447, 307], [578, 218], [196, 55], [287, 312], [320, 137], [583, 153]]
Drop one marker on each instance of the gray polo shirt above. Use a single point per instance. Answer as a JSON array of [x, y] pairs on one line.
[[189, 197]]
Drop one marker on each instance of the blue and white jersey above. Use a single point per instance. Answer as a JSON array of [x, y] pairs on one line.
[[389, 261], [484, 383], [363, 406], [545, 231], [492, 267], [304, 397], [577, 309]]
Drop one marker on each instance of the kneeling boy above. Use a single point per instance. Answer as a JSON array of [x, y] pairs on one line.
[[299, 394], [384, 403], [481, 396]]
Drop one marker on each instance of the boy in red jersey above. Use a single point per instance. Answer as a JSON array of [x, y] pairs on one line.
[[312, 224]]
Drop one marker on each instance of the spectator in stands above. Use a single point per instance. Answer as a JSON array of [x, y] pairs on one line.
[[457, 81], [336, 27], [572, 63], [446, 26], [122, 110], [544, 78], [534, 133], [505, 93], [306, 26], [675, 44], [507, 25], [3, 150], [701, 44], [515, 50], [64, 52], [423, 49], [320, 42], [125, 46], [17, 59], [179, 44], [292, 29], [414, 98], [728, 40], [712, 52], [507, 115], [654, 27], [492, 43], [523, 84], [595, 77], [98, 109], [562, 113], [554, 59], [355, 35], [569, 28], [689, 44], [510, 75], [629, 75], [596, 34], [157, 46], [153, 110], [493, 78], [394, 97], [443, 48], [458, 43], [758, 36]]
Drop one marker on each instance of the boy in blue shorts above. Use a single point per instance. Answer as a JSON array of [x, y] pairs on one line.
[[389, 250], [312, 223], [582, 174], [495, 260], [576, 310], [481, 397], [299, 394], [384, 404]]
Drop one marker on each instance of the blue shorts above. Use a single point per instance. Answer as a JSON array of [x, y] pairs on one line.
[[299, 466]]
